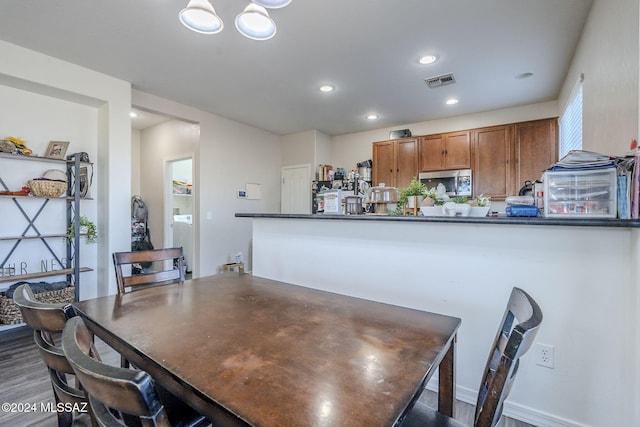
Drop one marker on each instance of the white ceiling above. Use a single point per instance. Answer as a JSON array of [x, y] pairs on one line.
[[367, 48]]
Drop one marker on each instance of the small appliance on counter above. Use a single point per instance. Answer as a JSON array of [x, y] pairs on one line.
[[333, 202], [353, 205], [382, 199], [456, 182], [522, 206]]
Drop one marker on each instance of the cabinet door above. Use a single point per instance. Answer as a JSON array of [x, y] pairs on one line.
[[457, 153], [383, 169], [431, 152], [492, 172], [406, 161], [536, 148]]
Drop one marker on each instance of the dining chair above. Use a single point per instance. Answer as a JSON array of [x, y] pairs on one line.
[[176, 272], [157, 257], [511, 342], [120, 396], [48, 320]]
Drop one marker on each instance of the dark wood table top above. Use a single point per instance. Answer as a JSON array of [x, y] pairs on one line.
[[253, 351]]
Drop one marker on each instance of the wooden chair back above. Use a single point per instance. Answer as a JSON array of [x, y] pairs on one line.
[[46, 320], [156, 256], [112, 390], [518, 329]]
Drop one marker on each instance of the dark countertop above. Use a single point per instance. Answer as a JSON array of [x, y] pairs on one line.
[[568, 222]]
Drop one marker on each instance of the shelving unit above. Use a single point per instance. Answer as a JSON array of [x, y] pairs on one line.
[[31, 211]]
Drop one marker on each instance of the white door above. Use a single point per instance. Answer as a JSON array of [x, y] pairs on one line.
[[296, 189]]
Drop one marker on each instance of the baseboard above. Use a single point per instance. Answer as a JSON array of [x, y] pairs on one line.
[[513, 410]]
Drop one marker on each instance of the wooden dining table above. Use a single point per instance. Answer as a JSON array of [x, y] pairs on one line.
[[249, 351]]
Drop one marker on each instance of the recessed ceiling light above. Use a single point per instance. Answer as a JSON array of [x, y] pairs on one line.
[[372, 116], [452, 101], [428, 59], [133, 114], [327, 88]]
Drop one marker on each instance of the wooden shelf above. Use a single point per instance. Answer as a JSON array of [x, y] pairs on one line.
[[63, 272], [44, 236], [37, 158], [4, 327]]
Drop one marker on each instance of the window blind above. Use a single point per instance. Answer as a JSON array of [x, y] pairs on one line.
[[571, 121]]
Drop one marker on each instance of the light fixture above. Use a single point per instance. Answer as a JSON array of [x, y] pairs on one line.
[[133, 114], [272, 4], [428, 59], [451, 101], [372, 116], [254, 22], [200, 17], [327, 88]]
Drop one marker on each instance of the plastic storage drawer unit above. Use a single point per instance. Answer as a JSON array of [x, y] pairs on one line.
[[580, 193]]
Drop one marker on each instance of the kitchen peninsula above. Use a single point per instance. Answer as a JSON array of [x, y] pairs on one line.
[[583, 273]]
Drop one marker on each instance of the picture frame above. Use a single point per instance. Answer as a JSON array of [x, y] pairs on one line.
[[57, 149]]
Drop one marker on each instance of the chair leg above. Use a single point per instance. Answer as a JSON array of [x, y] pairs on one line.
[[65, 418], [124, 362]]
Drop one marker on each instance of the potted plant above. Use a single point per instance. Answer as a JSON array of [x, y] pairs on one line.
[[87, 229], [480, 206], [413, 195]]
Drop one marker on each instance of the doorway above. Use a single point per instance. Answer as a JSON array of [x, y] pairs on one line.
[[179, 207]]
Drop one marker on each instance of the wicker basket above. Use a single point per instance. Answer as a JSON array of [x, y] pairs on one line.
[[10, 312], [46, 188]]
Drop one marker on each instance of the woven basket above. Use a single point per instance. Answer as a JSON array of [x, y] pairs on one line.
[[45, 188], [10, 312]]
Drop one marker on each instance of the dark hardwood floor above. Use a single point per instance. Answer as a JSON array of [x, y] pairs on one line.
[[24, 379]]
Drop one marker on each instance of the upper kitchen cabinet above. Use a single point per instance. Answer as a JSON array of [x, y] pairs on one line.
[[445, 151], [536, 148], [395, 162], [492, 149]]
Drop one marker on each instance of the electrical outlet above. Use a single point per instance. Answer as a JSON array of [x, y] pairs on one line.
[[544, 355]]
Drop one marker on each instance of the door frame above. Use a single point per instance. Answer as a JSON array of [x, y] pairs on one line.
[[167, 205]]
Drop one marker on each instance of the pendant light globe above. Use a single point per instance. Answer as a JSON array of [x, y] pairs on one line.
[[272, 4], [255, 23], [199, 16]]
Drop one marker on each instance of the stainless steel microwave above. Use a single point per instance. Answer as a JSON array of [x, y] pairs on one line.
[[456, 182]]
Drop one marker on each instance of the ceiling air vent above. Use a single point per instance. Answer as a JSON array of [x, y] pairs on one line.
[[445, 79]]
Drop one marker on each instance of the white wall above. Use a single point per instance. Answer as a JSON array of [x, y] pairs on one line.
[[230, 155], [608, 57], [135, 161], [298, 148], [104, 102]]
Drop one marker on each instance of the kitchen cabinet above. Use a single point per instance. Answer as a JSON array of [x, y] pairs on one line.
[[492, 151], [60, 259], [536, 148], [445, 151], [501, 157], [395, 162]]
